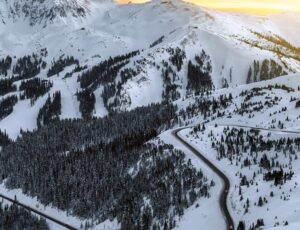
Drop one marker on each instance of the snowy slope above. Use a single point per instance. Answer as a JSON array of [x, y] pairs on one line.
[[107, 29], [92, 31], [285, 196], [284, 111]]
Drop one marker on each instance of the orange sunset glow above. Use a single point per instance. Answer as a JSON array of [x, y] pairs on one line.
[[248, 6]]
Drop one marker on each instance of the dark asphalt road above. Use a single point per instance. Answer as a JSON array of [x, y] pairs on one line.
[[226, 187], [226, 182]]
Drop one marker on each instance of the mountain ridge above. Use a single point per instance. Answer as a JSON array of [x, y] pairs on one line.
[[154, 71], [41, 12]]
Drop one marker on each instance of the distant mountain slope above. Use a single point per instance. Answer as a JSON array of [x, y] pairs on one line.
[[173, 51]]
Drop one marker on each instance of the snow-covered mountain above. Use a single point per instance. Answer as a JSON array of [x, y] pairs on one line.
[[40, 11], [209, 71], [238, 47]]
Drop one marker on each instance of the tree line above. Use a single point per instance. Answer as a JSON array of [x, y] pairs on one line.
[[50, 111], [34, 88], [5, 65], [199, 74], [58, 65], [14, 218], [106, 168], [6, 106]]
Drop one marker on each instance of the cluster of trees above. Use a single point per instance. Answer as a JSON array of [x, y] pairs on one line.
[[105, 72], [60, 64], [169, 77], [177, 57], [34, 88], [248, 107], [207, 107], [271, 69], [253, 72], [278, 45], [5, 65], [235, 141], [114, 89], [241, 226], [7, 106], [25, 68], [65, 133], [14, 218], [254, 226], [28, 67], [4, 139], [50, 111], [265, 70], [278, 176], [7, 86], [213, 107], [87, 102], [102, 168], [158, 41], [170, 93], [108, 92], [269, 88], [199, 74], [126, 74], [77, 69], [250, 149]]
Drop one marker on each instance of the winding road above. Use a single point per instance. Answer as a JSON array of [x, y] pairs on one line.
[[226, 182], [175, 134]]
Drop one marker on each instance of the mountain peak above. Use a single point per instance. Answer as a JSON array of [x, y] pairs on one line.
[[41, 11]]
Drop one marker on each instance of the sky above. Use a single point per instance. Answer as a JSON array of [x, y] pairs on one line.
[[250, 6]]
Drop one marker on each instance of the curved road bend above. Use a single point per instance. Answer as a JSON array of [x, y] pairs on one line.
[[226, 182], [67, 226]]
